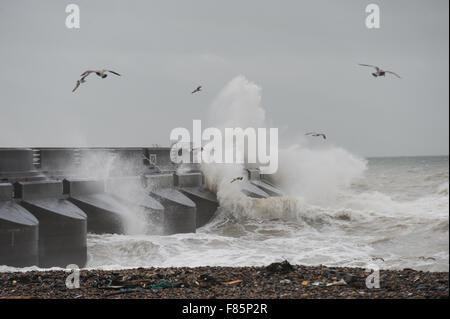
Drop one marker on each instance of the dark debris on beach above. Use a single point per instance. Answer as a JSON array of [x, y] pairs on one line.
[[278, 280]]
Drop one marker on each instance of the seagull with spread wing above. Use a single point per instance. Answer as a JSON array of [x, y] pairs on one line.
[[317, 135], [100, 73], [198, 89], [380, 72]]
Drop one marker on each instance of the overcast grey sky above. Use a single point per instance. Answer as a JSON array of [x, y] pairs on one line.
[[303, 54]]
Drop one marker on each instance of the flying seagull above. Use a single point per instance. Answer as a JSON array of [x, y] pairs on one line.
[[100, 73], [317, 135], [237, 179], [198, 89], [380, 72]]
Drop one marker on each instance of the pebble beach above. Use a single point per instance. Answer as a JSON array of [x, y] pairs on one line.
[[275, 281]]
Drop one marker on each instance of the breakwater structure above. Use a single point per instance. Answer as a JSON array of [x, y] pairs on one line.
[[50, 198]]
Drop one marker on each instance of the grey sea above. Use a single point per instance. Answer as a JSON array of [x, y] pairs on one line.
[[395, 215]]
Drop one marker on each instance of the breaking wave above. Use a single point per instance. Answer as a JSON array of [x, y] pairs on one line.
[[340, 209]]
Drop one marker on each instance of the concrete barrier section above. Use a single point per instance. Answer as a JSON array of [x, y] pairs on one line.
[[18, 232], [38, 189], [105, 213], [62, 225], [268, 188], [164, 180], [83, 186], [6, 191], [253, 174], [16, 160], [205, 201], [44, 222], [252, 191], [188, 179], [179, 211]]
